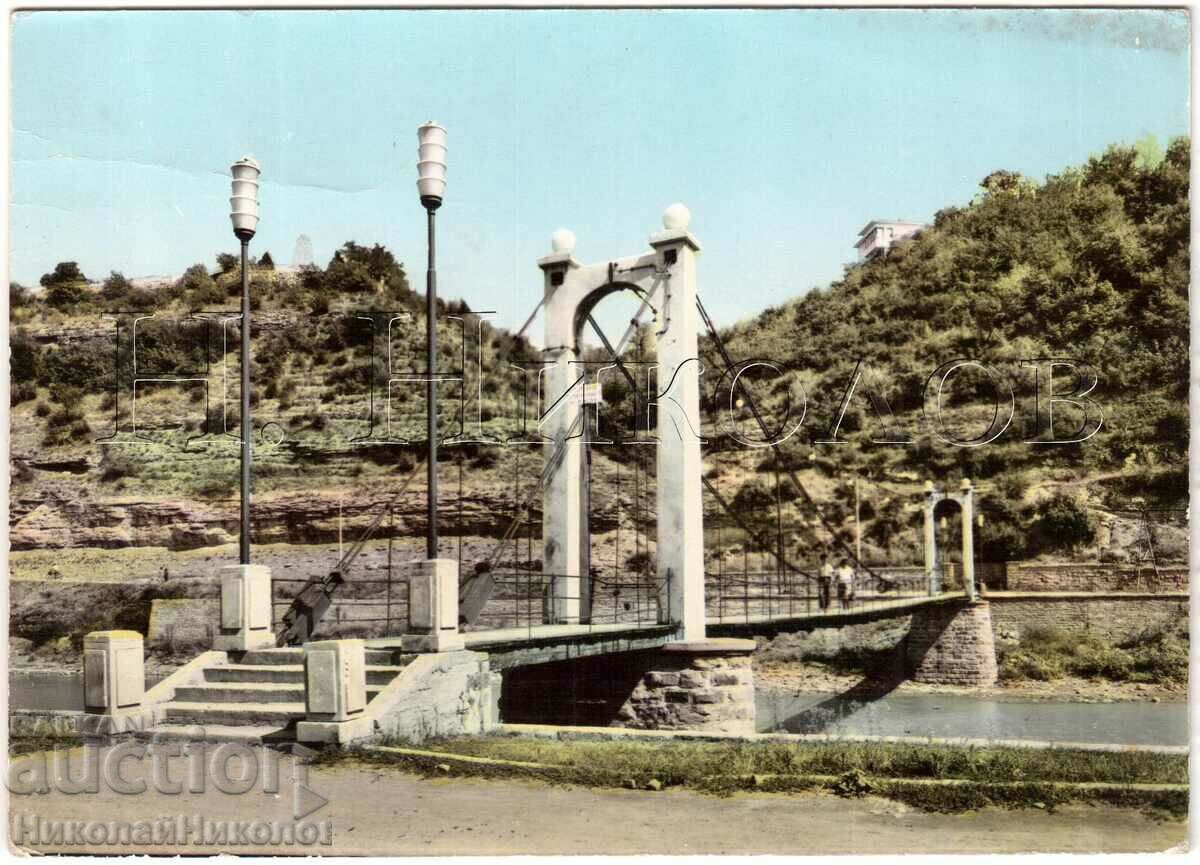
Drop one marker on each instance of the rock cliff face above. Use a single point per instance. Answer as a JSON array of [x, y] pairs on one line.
[[298, 518]]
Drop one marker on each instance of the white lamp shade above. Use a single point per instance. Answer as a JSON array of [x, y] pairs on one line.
[[243, 213], [245, 189], [431, 133], [246, 168], [431, 170], [431, 160], [244, 221], [431, 187], [432, 153], [243, 205]]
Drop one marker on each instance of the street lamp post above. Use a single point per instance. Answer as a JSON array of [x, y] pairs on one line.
[[431, 185], [244, 215]]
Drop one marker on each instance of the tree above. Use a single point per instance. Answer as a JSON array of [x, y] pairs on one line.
[[64, 271], [116, 286], [198, 288], [227, 262], [1005, 183], [266, 262], [25, 360], [66, 286], [18, 295], [1149, 152], [356, 269], [1061, 523]]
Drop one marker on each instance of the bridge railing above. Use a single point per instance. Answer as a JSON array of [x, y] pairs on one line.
[[527, 599], [750, 596], [361, 607]]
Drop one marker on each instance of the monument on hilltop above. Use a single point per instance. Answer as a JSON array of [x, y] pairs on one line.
[[302, 255]]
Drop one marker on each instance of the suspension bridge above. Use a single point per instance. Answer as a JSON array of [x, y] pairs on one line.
[[552, 574], [630, 559]]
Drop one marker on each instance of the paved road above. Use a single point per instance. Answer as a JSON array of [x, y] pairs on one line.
[[382, 811]]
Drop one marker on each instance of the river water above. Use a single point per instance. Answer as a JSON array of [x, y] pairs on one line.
[[954, 716], [52, 689], [941, 716]]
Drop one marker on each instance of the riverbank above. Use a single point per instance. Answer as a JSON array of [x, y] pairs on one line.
[[818, 678], [935, 777]]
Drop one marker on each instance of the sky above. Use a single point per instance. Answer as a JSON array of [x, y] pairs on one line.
[[784, 132]]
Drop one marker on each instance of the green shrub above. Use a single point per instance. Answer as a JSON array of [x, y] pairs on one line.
[[22, 392], [1060, 523], [1157, 655], [1020, 665]]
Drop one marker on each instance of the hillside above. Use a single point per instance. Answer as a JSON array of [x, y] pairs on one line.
[[1091, 265]]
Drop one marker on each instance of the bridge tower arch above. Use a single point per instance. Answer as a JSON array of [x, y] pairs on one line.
[[666, 279], [965, 499]]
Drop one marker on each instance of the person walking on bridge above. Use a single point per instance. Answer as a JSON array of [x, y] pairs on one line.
[[825, 582], [845, 581]]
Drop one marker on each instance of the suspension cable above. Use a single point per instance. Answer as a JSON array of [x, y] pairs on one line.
[[720, 345]]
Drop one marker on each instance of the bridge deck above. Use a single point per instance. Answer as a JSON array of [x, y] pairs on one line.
[[541, 644], [831, 618]]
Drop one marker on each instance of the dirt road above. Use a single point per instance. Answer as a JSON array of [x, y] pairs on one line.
[[383, 811]]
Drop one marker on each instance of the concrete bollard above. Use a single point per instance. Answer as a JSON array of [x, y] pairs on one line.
[[245, 609], [114, 682], [114, 672], [432, 607], [335, 677]]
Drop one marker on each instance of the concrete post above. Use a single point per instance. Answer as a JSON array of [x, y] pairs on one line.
[[335, 692], [562, 549], [432, 606], [932, 576], [114, 675], [680, 507], [114, 681], [966, 504], [246, 613]]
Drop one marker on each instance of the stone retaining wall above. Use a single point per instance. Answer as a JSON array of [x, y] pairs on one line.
[[1113, 617], [183, 620], [1094, 577]]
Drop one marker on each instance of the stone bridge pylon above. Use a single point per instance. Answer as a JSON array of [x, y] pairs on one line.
[[665, 279]]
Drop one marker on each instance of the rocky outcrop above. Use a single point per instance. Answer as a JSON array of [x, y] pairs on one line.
[[296, 518]]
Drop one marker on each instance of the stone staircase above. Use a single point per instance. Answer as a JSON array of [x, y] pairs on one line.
[[256, 696]]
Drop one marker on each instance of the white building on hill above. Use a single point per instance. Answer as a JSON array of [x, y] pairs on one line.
[[878, 235]]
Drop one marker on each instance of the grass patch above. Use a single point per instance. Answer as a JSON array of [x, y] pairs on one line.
[[1157, 655], [938, 778], [20, 746]]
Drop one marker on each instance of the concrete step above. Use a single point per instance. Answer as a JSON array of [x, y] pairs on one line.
[[235, 714], [251, 692], [290, 656], [272, 657], [377, 674], [289, 673], [249, 734], [241, 692]]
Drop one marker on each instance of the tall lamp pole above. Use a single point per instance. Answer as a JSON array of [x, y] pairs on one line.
[[244, 215], [431, 185]]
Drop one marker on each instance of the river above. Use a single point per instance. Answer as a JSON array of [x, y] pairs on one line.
[[956, 716], [941, 716]]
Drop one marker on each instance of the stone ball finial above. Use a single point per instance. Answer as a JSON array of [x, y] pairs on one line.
[[563, 240], [676, 217]]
